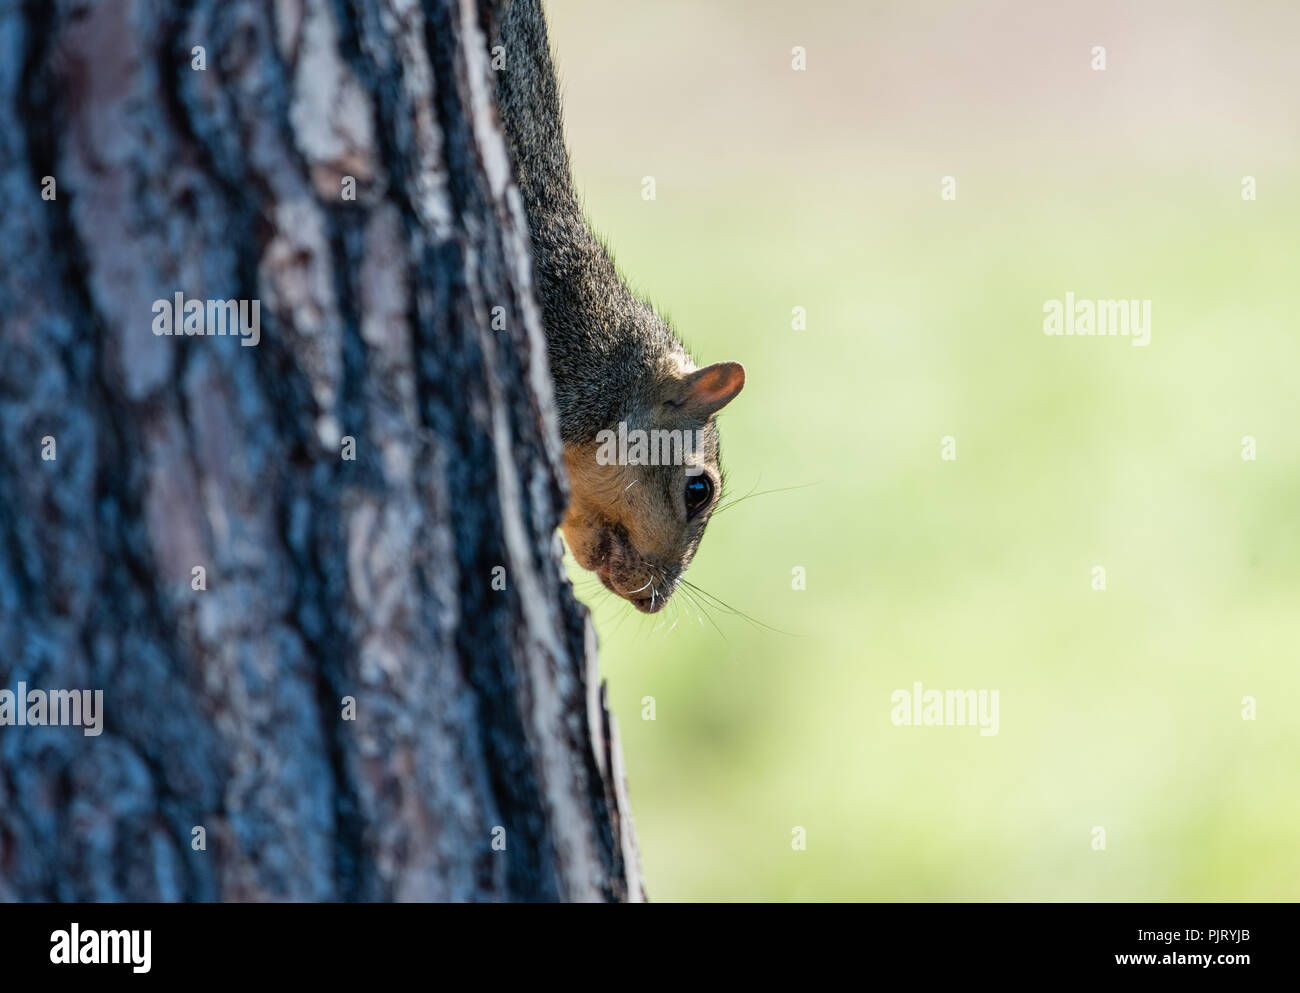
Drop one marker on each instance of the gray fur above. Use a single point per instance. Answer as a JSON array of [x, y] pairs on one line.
[[609, 352]]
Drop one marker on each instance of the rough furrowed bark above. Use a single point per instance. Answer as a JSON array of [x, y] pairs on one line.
[[481, 762]]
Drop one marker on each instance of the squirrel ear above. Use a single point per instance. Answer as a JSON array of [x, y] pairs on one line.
[[710, 389]]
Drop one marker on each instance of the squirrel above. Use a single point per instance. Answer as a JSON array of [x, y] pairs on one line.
[[618, 369]]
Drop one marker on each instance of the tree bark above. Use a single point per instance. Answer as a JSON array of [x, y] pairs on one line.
[[478, 719]]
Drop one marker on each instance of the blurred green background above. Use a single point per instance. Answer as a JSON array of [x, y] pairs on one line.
[[1120, 709]]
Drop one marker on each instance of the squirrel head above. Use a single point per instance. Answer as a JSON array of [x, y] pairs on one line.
[[642, 491]]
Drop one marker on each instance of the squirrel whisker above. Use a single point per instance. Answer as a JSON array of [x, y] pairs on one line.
[[720, 604]]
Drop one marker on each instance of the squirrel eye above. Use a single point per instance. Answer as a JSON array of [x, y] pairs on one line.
[[698, 492]]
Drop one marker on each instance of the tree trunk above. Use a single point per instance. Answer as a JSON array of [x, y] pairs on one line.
[[305, 654]]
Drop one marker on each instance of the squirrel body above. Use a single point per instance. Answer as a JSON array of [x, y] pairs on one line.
[[615, 363]]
